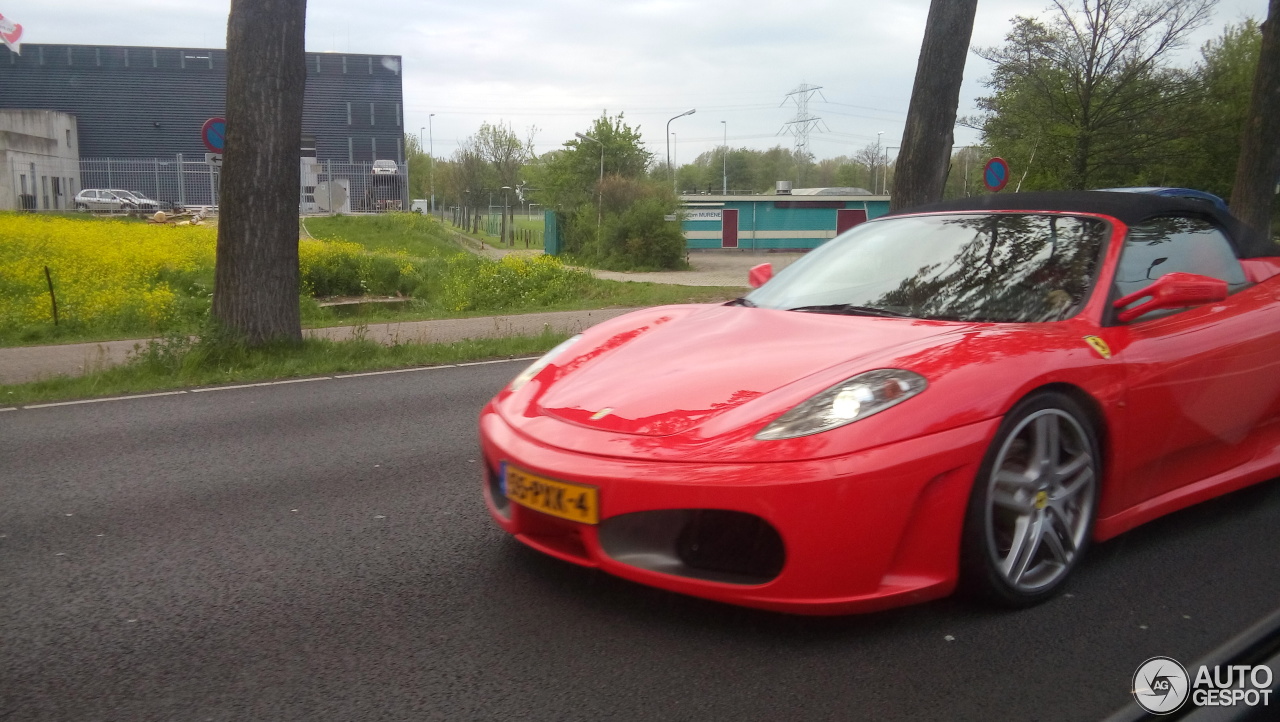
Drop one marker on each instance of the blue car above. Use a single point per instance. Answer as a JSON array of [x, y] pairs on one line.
[[1176, 192]]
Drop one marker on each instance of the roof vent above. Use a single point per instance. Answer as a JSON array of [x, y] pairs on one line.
[[784, 188]]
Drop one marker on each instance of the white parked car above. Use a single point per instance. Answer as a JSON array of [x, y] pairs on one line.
[[384, 167], [113, 200]]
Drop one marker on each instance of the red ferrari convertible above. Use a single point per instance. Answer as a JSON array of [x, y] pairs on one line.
[[965, 394]]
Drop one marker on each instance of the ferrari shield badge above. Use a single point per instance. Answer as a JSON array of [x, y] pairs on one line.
[[1098, 345]]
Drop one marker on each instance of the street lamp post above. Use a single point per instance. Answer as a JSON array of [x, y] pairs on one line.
[[724, 161], [599, 185], [670, 167], [431, 154], [875, 164], [884, 183]]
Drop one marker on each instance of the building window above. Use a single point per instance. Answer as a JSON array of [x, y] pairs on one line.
[[97, 55], [155, 61], [40, 55], [351, 150], [399, 150], [68, 137], [371, 65], [348, 112], [399, 121], [182, 59], [68, 56], [126, 57], [371, 116], [344, 65], [317, 64], [373, 146]]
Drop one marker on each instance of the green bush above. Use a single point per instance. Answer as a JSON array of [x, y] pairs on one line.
[[635, 234]]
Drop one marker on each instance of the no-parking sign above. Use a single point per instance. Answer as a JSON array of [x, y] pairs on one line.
[[996, 174], [214, 134]]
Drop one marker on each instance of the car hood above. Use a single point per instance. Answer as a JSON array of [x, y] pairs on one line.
[[664, 372]]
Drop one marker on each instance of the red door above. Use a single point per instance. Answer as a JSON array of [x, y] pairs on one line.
[[729, 228], [847, 218]]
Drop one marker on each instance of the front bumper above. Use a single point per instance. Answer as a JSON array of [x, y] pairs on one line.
[[866, 531]]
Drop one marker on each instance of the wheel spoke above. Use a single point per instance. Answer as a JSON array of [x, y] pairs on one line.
[[1070, 468], [1011, 500], [1058, 537], [1026, 543], [1069, 487], [1047, 444]]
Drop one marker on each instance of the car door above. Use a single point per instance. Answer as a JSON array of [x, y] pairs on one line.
[[1202, 380]]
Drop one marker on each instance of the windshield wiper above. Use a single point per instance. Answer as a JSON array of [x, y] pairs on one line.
[[849, 309], [741, 302]]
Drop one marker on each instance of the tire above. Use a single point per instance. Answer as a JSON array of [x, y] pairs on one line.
[[1033, 504], [81, 207]]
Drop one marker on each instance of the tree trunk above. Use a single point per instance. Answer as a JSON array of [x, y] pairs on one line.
[[1258, 169], [921, 170], [256, 284]]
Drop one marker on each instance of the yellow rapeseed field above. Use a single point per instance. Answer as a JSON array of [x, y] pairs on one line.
[[103, 270]]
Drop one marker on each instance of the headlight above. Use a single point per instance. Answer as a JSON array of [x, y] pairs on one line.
[[856, 398], [541, 363]]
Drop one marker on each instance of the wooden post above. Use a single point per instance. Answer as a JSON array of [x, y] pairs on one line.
[[52, 298]]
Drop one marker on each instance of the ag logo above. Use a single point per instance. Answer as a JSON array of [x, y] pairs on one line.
[[1161, 685]]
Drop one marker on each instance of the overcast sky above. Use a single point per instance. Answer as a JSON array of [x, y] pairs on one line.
[[556, 64]]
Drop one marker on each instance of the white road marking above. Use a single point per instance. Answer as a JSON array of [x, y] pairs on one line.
[[98, 401], [392, 371], [500, 361], [260, 384], [269, 383]]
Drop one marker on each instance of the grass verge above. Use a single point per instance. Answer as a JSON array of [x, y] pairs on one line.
[[177, 362]]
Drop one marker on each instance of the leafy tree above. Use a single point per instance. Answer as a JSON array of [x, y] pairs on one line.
[[572, 173], [419, 167], [1086, 98], [1225, 74], [619, 221]]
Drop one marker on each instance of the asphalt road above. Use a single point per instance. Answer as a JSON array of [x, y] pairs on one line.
[[320, 551]]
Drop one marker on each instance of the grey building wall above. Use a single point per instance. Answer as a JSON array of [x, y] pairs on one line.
[[39, 168], [145, 102]]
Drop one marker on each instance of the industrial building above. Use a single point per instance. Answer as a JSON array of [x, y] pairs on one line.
[[143, 102], [131, 103], [38, 153], [798, 219]]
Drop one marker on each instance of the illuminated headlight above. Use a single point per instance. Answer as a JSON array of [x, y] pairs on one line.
[[856, 398], [541, 363]]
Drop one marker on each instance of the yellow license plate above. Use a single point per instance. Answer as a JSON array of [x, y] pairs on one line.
[[575, 502]]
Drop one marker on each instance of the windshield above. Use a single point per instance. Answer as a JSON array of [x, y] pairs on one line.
[[1008, 267]]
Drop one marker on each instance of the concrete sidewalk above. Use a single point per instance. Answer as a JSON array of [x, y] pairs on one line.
[[32, 363]]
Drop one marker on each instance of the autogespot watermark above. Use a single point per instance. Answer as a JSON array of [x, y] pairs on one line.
[[1162, 685]]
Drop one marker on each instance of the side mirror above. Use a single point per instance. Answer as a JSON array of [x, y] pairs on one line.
[[760, 275], [1172, 290]]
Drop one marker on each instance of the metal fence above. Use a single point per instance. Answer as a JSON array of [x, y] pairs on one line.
[[173, 183], [178, 182], [332, 187]]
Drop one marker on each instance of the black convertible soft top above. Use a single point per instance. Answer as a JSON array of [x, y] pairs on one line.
[[1128, 208]]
